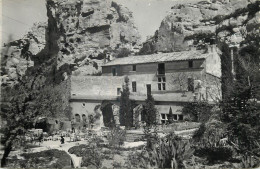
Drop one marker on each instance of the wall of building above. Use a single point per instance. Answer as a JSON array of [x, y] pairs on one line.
[[96, 85], [213, 62], [151, 68], [85, 107]]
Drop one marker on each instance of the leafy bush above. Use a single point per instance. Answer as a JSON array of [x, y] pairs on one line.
[[168, 151], [215, 154], [198, 111], [91, 155], [199, 133], [123, 52], [116, 137], [44, 159]]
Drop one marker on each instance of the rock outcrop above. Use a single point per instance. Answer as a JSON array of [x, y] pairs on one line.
[[79, 34], [186, 23], [91, 30], [16, 56]]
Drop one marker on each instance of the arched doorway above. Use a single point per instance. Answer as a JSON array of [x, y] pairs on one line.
[[42, 123], [77, 117], [84, 118], [107, 112]]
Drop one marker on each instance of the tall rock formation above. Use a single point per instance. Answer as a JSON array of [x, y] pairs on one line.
[[89, 30], [79, 36], [186, 22]]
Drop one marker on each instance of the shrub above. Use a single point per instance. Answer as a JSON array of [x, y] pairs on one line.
[[91, 155], [171, 149], [123, 52], [116, 137], [215, 154], [44, 159]]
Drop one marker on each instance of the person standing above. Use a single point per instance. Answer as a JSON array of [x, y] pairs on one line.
[[62, 140]]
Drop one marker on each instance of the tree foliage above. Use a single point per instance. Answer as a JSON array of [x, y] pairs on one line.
[[240, 111], [126, 115], [22, 104], [170, 119], [197, 111], [150, 111]]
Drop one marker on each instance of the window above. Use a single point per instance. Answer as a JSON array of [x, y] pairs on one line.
[[114, 71], [134, 86], [161, 69], [175, 117], [190, 64], [180, 117], [164, 118], [134, 67], [149, 89], [84, 118], [118, 91], [161, 83], [190, 84], [77, 117]]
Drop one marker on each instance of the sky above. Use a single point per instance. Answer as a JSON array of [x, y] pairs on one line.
[[18, 16]]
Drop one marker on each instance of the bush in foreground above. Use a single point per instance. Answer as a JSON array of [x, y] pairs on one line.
[[44, 159]]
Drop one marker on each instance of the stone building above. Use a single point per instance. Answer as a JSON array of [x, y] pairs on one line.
[[172, 78]]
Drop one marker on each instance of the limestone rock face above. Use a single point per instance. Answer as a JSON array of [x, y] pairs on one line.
[[80, 34], [91, 30], [187, 20], [16, 56]]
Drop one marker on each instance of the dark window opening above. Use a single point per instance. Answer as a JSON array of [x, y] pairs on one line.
[[175, 117], [114, 71], [118, 91], [180, 117], [134, 67], [190, 84], [159, 86], [190, 64], [163, 88], [161, 68], [149, 89], [134, 86]]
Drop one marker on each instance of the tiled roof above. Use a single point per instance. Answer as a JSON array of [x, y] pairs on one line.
[[161, 57]]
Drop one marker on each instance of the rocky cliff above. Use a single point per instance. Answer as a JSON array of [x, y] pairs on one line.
[[16, 56], [79, 34], [187, 24]]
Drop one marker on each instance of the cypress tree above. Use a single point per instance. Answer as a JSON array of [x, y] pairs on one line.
[[170, 116], [125, 106], [150, 111]]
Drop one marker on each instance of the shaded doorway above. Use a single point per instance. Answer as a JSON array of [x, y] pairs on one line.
[[107, 112]]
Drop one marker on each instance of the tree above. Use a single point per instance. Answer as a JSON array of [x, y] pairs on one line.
[[22, 104], [240, 111], [123, 52], [170, 119], [150, 111], [126, 115]]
